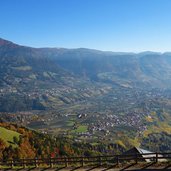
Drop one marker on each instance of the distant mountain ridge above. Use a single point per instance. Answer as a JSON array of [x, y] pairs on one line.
[[142, 68], [29, 73]]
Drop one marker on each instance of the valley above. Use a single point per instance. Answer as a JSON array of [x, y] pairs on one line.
[[88, 95], [119, 115]]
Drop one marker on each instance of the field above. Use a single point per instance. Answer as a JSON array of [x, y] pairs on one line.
[[7, 135]]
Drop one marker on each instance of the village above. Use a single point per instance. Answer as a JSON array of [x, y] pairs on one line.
[[101, 117]]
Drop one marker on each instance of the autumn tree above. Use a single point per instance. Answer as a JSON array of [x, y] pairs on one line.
[[2, 147]]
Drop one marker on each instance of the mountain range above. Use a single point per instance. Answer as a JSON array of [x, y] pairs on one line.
[[27, 74]]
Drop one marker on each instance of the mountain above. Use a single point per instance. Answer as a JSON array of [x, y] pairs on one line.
[[31, 79], [46, 78], [24, 62], [147, 68]]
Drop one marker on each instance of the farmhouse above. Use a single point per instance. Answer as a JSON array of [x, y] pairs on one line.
[[143, 155]]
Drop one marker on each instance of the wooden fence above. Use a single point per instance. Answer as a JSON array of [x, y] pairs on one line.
[[86, 161]]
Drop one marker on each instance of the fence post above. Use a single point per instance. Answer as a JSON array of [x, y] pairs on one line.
[[117, 160], [100, 161], [82, 161], [12, 163], [66, 162], [51, 162], [36, 163], [136, 158], [156, 157], [24, 164]]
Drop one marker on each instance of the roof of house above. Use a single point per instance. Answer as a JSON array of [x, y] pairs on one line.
[[147, 156], [142, 151]]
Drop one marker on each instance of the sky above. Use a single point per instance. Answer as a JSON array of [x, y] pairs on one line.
[[110, 25]]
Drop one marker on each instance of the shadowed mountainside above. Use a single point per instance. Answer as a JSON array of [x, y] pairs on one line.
[[43, 78]]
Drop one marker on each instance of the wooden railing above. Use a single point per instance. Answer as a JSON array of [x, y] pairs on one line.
[[85, 161]]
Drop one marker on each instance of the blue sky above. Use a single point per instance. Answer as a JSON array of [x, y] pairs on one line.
[[115, 25]]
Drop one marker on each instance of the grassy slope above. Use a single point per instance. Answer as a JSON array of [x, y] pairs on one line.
[[158, 125], [7, 135]]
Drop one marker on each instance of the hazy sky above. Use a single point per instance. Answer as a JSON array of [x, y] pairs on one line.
[[116, 25]]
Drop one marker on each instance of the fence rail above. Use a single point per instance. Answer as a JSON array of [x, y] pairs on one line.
[[84, 161]]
